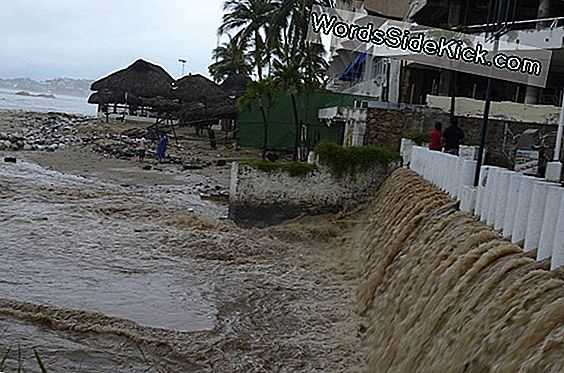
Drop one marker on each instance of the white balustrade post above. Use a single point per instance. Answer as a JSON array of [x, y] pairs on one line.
[[550, 218], [481, 197], [488, 194], [536, 215], [512, 197], [522, 210], [557, 260], [501, 202], [493, 191]]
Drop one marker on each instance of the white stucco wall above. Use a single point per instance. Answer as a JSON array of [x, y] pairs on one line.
[[321, 188]]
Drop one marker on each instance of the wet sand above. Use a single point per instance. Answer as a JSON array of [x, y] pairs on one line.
[[110, 267]]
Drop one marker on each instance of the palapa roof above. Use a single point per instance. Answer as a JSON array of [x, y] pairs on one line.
[[193, 89], [161, 105], [235, 85], [105, 97], [197, 88], [142, 78]]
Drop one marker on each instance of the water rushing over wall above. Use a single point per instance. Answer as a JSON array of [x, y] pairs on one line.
[[444, 293]]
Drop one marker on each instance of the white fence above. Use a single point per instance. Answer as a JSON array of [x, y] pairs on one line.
[[524, 209]]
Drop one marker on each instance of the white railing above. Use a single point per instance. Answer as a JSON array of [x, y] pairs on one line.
[[525, 209]]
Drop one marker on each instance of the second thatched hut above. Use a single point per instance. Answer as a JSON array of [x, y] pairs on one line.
[[141, 91], [208, 101]]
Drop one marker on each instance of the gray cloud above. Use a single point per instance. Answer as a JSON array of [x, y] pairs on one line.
[[90, 38]]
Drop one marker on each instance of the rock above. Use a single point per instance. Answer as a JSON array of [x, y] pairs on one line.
[[14, 147], [27, 147], [221, 163], [9, 159], [2, 146], [192, 167], [7, 144]]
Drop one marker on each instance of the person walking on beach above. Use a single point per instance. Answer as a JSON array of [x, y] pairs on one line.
[[161, 149], [453, 137], [142, 149], [436, 137]]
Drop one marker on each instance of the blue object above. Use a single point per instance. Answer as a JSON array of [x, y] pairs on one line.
[[161, 150], [354, 70]]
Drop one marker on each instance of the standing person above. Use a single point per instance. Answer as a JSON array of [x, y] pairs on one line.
[[211, 137], [161, 149], [142, 149], [453, 137], [436, 137]]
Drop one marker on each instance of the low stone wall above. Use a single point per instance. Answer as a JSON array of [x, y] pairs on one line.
[[261, 198]]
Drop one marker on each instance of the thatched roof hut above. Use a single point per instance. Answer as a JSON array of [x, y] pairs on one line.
[[161, 105], [142, 79], [105, 97], [193, 89], [235, 85]]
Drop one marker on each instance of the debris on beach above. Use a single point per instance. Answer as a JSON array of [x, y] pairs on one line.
[[47, 132]]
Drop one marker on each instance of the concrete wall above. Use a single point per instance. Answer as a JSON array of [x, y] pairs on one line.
[[387, 125], [505, 111], [525, 209], [265, 198]]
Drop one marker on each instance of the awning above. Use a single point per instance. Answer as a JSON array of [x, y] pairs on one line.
[[354, 70]]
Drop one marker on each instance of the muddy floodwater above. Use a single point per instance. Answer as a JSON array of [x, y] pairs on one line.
[[100, 275], [107, 266]]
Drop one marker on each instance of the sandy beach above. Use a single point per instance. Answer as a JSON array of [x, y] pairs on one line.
[[127, 265]]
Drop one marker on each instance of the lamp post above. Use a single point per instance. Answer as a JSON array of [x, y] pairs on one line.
[[183, 62], [500, 17]]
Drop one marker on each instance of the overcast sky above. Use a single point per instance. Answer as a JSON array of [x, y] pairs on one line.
[[43, 39]]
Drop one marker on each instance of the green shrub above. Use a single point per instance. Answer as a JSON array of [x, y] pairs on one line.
[[294, 169], [348, 161], [418, 138]]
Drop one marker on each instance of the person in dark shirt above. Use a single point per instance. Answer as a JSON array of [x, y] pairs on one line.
[[453, 137], [436, 137]]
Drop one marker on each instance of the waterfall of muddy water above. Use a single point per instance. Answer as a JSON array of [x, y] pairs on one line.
[[443, 293], [98, 277]]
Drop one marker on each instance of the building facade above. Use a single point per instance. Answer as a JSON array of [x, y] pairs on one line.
[[532, 22]]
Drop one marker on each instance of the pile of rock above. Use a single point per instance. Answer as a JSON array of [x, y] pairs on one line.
[[51, 132], [212, 192], [123, 146]]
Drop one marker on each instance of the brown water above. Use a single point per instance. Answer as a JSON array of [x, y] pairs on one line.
[[73, 243], [102, 277], [443, 293]]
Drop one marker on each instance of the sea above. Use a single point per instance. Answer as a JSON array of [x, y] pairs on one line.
[[60, 103]]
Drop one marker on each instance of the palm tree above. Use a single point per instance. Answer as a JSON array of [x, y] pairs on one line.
[[257, 91], [289, 78], [232, 59], [250, 18], [291, 20]]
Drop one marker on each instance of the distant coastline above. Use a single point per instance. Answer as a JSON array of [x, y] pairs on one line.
[[28, 94], [59, 86]]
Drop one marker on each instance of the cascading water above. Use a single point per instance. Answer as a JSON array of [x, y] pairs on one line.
[[444, 293]]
